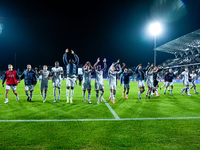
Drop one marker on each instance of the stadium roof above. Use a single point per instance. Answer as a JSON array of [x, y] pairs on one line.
[[182, 45]]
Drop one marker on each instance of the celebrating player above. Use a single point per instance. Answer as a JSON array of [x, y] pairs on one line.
[[193, 79], [87, 69], [169, 76], [44, 81], [30, 81], [112, 80], [71, 68], [11, 77], [140, 79], [185, 81], [124, 78], [149, 73], [165, 80], [56, 72], [99, 79]]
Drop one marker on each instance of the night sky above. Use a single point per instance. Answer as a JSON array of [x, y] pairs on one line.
[[40, 31]]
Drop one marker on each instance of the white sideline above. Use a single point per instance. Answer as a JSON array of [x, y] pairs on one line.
[[79, 120], [111, 110]]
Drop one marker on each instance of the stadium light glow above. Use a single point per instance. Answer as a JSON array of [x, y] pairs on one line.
[[155, 28]]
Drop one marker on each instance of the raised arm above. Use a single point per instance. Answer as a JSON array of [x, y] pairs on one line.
[[98, 60], [105, 65], [130, 72], [65, 57], [137, 68], [76, 57], [146, 67], [120, 69]]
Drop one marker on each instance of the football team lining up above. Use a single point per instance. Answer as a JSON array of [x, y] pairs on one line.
[[30, 79]]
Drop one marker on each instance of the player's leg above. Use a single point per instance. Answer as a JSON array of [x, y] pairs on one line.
[[113, 96], [171, 89], [72, 94], [150, 89], [54, 94], [127, 92], [124, 90], [59, 90], [167, 85], [188, 89], [6, 94], [67, 94], [97, 96], [162, 86], [84, 89], [15, 92], [31, 88], [41, 92], [102, 92], [89, 96], [195, 90], [45, 95]]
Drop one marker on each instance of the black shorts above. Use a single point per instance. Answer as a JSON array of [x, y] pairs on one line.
[[155, 83]]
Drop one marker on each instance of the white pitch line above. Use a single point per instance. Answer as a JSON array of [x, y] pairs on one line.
[[79, 120], [110, 108]]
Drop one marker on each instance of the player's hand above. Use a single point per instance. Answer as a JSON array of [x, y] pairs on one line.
[[123, 64], [130, 70], [151, 65], [118, 60], [140, 65], [148, 63], [67, 50], [2, 85], [18, 81], [119, 65], [72, 52], [104, 60], [36, 68], [98, 59]]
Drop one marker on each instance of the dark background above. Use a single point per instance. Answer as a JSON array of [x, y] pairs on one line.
[[40, 31]]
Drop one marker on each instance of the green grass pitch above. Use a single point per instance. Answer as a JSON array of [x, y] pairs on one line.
[[113, 134]]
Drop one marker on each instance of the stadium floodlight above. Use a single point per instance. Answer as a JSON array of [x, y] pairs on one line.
[[155, 29]]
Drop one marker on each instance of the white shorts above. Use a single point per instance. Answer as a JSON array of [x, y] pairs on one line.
[[57, 84], [29, 87], [87, 86], [43, 86], [193, 83], [13, 87], [70, 82], [141, 84], [165, 83], [186, 83], [99, 86], [126, 86], [169, 84], [149, 84], [112, 86]]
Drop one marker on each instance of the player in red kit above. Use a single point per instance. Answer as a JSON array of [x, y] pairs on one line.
[[11, 78]]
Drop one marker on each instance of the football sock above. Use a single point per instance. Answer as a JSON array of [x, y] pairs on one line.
[[54, 93], [101, 94], [89, 96], [72, 93], [67, 94], [45, 96], [31, 94], [27, 94], [59, 90], [7, 99], [84, 96], [188, 90], [97, 96]]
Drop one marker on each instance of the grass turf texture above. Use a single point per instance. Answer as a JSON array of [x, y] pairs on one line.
[[137, 134]]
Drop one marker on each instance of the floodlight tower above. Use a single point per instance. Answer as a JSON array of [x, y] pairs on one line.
[[155, 29]]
